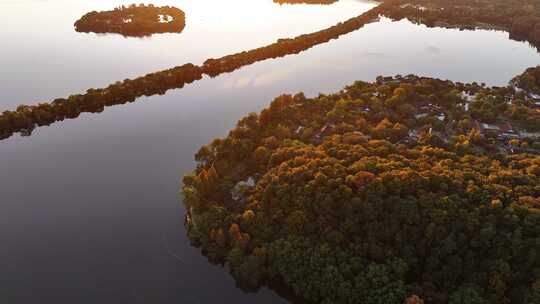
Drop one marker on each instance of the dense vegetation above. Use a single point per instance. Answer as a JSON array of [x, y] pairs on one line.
[[134, 20], [354, 198], [462, 14], [521, 18]]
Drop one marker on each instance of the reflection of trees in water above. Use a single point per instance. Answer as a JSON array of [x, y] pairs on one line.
[[134, 20]]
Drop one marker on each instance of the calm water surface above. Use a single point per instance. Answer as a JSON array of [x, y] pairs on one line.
[[90, 209]]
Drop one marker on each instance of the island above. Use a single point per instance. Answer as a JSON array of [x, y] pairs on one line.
[[517, 17], [134, 20], [442, 13], [405, 190]]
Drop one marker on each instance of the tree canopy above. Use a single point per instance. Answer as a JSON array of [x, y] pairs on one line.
[[354, 198], [521, 18]]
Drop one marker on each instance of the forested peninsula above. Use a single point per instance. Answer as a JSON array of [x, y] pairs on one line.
[[407, 190], [134, 20]]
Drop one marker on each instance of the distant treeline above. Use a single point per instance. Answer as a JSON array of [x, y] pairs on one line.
[[25, 118], [354, 198], [134, 20], [521, 18]]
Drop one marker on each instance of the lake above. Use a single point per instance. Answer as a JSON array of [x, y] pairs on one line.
[[90, 207]]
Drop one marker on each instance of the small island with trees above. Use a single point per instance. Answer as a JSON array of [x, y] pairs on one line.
[[134, 20]]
